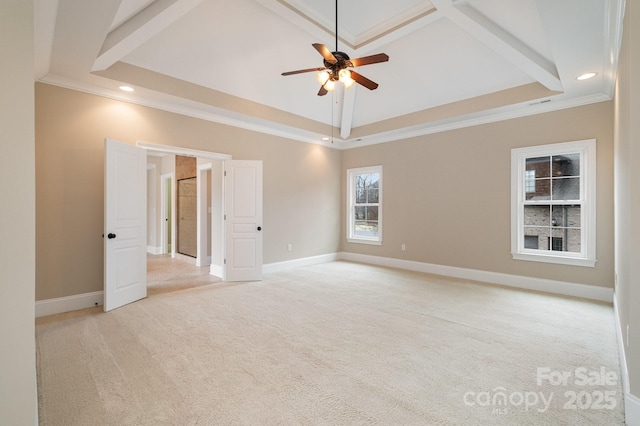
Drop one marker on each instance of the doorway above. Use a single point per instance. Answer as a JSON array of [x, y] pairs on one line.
[[179, 214], [188, 217]]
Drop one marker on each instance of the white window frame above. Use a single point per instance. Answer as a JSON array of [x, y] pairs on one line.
[[351, 174], [587, 151]]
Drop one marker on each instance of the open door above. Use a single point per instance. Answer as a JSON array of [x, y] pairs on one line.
[[125, 224], [243, 226]]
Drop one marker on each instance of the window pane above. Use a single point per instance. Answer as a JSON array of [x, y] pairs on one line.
[[567, 216], [574, 216], [566, 189], [372, 196], [536, 238], [566, 165], [540, 165], [364, 228], [360, 212], [542, 190], [372, 213], [559, 216], [556, 243], [367, 186], [567, 240], [361, 195], [573, 237], [536, 215]]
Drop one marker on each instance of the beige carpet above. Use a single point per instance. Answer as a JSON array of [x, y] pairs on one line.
[[333, 344], [165, 274]]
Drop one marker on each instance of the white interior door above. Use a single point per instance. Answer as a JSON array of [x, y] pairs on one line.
[[125, 216], [243, 210]]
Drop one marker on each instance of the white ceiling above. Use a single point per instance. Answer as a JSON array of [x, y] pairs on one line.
[[452, 63]]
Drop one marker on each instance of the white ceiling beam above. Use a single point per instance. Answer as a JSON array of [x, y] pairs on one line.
[[348, 105], [45, 14], [503, 43], [352, 45], [139, 29], [80, 29]]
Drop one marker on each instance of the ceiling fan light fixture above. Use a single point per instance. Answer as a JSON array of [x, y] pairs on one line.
[[323, 77], [345, 78], [330, 85]]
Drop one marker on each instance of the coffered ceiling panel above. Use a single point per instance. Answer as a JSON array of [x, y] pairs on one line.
[[451, 63]]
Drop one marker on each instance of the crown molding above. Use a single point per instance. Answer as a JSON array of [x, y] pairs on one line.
[[219, 115]]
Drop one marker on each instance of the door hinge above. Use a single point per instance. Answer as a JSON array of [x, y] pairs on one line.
[[225, 217], [225, 261], [225, 173]]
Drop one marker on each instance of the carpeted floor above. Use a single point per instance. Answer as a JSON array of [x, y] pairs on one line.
[[165, 274], [333, 344]]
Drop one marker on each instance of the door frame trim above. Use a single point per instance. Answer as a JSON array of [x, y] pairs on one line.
[[202, 210], [163, 212], [176, 150]]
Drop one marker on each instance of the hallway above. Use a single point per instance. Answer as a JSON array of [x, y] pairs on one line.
[[166, 274]]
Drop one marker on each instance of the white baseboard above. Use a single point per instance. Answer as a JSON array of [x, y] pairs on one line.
[[538, 284], [203, 261], [631, 409], [185, 258], [68, 303], [81, 301], [154, 250], [631, 402], [270, 268], [215, 270]]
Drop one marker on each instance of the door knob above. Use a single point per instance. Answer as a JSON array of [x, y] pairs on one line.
[[111, 235], [259, 228]]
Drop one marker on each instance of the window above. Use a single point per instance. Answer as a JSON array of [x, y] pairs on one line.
[[553, 203], [364, 217]]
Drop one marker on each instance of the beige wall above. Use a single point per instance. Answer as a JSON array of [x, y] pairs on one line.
[[301, 182], [18, 404], [627, 190], [447, 195]]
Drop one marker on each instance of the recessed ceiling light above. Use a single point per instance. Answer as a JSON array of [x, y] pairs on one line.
[[126, 88], [326, 138], [587, 76]]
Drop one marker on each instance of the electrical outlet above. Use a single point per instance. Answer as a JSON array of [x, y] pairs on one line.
[[289, 247], [403, 247]]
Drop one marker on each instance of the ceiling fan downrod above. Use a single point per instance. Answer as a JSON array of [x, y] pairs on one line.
[[337, 64]]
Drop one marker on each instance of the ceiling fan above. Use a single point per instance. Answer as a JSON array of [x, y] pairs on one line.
[[336, 66]]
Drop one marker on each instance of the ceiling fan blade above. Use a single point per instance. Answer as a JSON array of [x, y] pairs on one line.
[[360, 79], [302, 71], [325, 52], [367, 60], [322, 91]]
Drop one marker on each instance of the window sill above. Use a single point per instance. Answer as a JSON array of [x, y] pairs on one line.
[[362, 241], [573, 261]]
